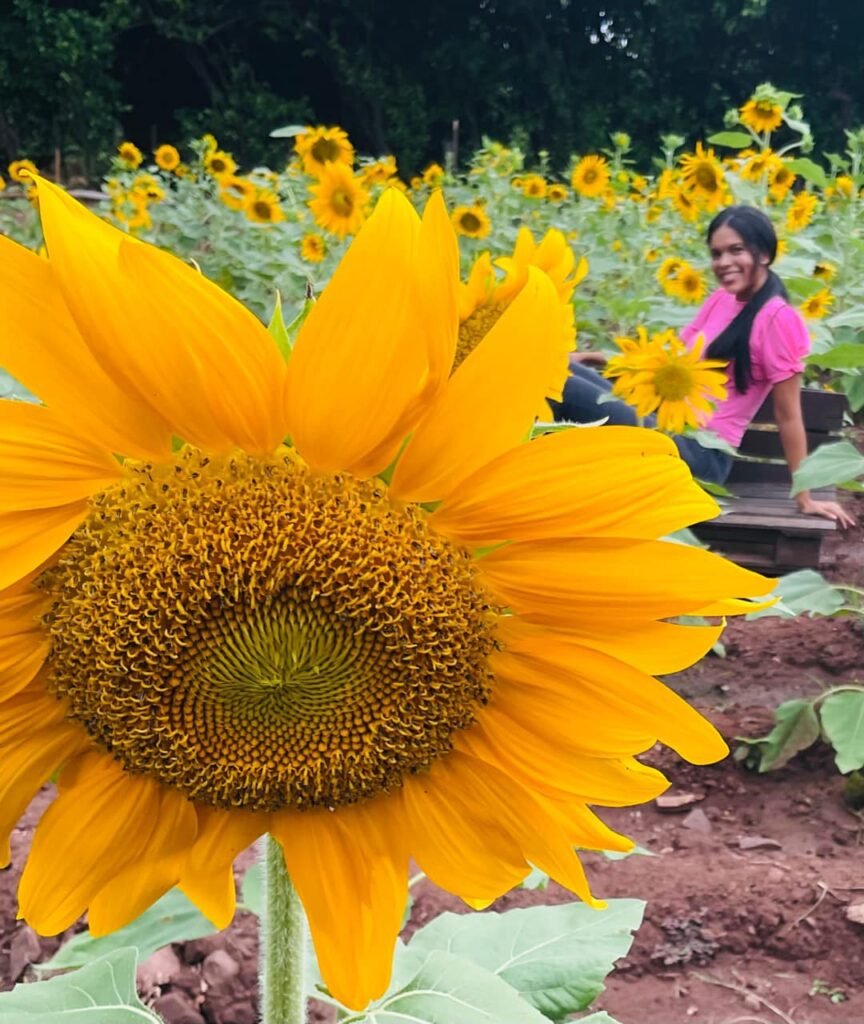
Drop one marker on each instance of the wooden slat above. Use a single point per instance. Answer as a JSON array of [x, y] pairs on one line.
[[754, 472], [822, 410], [766, 444]]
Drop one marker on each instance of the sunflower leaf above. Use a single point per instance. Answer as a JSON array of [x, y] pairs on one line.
[[450, 988], [737, 140], [597, 1018], [830, 464], [173, 918], [796, 728], [843, 722], [102, 991], [555, 957]]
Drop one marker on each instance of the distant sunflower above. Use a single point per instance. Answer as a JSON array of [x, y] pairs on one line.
[[262, 207], [313, 248], [433, 176], [339, 203], [219, 163], [215, 637], [235, 191], [129, 154], [690, 284], [534, 186], [471, 221], [761, 115], [703, 176], [818, 305], [320, 147], [557, 193], [167, 157], [801, 211], [825, 270], [667, 273], [780, 179], [379, 172], [672, 381], [2, 183], [590, 176]]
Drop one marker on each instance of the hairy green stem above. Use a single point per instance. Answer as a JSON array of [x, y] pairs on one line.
[[283, 943]]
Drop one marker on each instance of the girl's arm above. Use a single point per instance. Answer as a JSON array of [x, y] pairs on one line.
[[790, 423]]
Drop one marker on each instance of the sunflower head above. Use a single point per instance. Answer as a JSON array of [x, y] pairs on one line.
[[472, 221], [129, 155], [313, 248], [262, 207], [219, 164], [167, 157], [433, 176], [762, 115], [319, 147], [590, 176], [339, 200], [22, 171], [817, 305]]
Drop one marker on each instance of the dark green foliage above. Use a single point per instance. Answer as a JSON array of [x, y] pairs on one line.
[[558, 74]]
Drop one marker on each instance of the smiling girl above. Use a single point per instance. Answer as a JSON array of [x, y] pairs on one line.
[[748, 322]]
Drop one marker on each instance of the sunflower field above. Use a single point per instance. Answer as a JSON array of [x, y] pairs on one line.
[[260, 585]]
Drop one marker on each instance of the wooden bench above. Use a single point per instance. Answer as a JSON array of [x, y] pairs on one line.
[[761, 527]]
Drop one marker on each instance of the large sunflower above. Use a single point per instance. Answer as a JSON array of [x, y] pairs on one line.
[[761, 115], [702, 175], [590, 176], [212, 635], [340, 200]]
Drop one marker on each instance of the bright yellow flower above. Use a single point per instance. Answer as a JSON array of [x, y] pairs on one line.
[[662, 376], [379, 172], [219, 163], [557, 193], [817, 305], [148, 188], [232, 637], [757, 165], [167, 157], [761, 115], [690, 284], [801, 211], [433, 176], [262, 207], [130, 155], [235, 191], [416, 182], [844, 185], [667, 272], [313, 249], [210, 143], [2, 183], [685, 204], [666, 183], [319, 147], [339, 203], [825, 270], [534, 186], [780, 180], [484, 297], [703, 176], [471, 221], [22, 170], [590, 176]]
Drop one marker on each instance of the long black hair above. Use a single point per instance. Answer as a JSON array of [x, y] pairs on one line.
[[759, 238]]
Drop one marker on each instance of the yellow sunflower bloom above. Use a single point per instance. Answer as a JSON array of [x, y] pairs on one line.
[[590, 176], [780, 180], [235, 637], [557, 193], [703, 176], [379, 172], [685, 203], [662, 376], [167, 157], [484, 297], [688, 284], [801, 211], [534, 186], [761, 115], [219, 163], [235, 191], [817, 305], [22, 171], [825, 270], [340, 200], [667, 273], [130, 155], [433, 176], [313, 248], [2, 183], [320, 147], [757, 166], [471, 221], [262, 207]]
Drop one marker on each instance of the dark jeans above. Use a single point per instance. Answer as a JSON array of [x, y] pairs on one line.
[[579, 405]]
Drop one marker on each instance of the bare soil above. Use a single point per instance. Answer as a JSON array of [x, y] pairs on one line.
[[746, 893]]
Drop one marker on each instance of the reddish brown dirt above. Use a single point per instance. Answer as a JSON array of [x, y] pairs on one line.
[[747, 896]]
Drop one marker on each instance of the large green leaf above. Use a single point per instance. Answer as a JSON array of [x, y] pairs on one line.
[[171, 919], [809, 170], [848, 355], [597, 1018], [796, 729], [848, 318], [103, 992], [843, 723], [805, 592], [831, 464], [555, 957], [737, 140], [450, 990]]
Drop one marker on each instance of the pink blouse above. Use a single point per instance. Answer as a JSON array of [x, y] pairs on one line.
[[778, 344]]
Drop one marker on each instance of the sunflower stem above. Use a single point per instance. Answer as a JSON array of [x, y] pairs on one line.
[[283, 943]]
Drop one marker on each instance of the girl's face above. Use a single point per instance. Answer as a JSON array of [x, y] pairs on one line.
[[736, 268]]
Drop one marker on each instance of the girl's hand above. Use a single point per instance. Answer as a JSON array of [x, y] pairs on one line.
[[827, 509]]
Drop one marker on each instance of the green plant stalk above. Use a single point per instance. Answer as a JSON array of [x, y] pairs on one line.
[[283, 943]]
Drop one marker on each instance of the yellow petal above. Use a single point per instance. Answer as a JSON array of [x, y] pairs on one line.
[[165, 333], [569, 582], [102, 822], [41, 346], [603, 481], [350, 869], [27, 539], [489, 403], [207, 878], [358, 366], [608, 705], [156, 866], [35, 739], [42, 465], [23, 642]]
